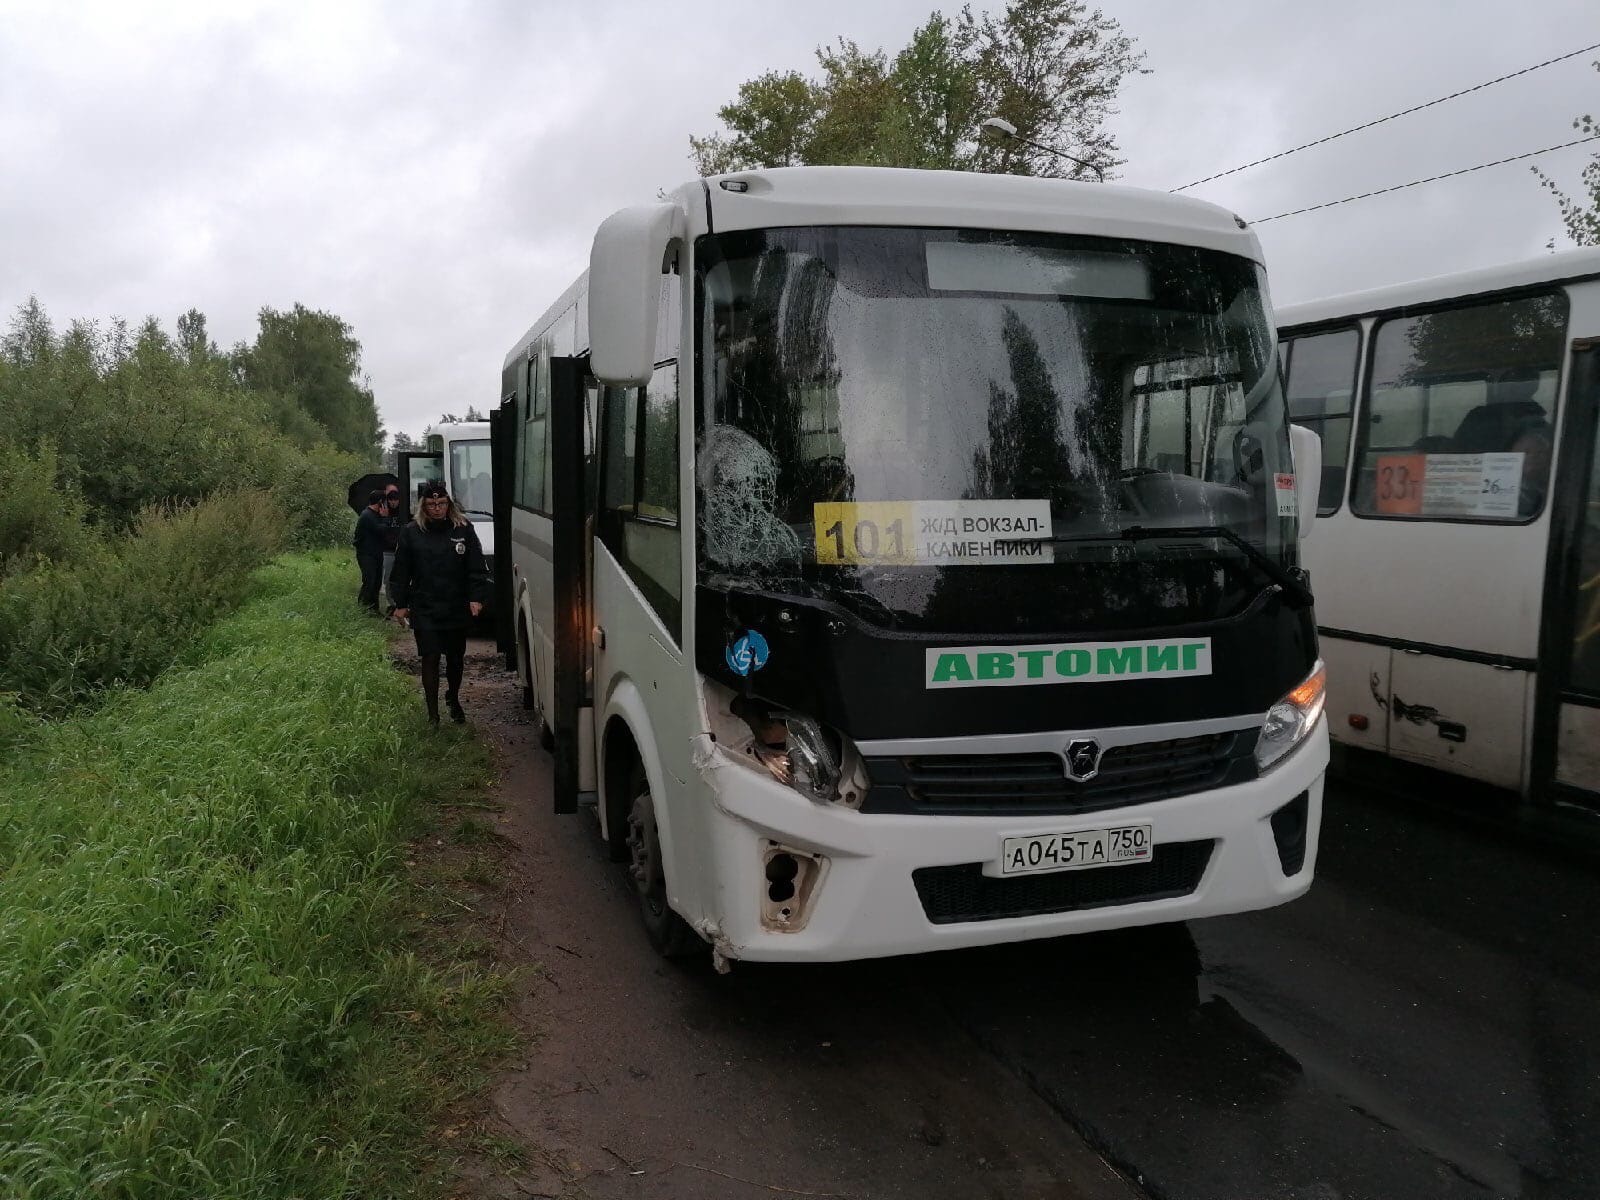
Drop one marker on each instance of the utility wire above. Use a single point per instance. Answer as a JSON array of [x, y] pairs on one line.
[[1392, 116], [1430, 179]]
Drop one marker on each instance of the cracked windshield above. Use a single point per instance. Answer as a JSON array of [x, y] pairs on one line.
[[942, 428]]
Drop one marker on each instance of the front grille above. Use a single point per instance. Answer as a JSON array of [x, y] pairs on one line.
[[1018, 784], [951, 895]]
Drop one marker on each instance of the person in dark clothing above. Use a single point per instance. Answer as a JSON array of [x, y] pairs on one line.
[[393, 519], [369, 543], [440, 582]]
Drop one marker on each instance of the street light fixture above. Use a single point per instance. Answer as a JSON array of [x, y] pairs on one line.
[[1006, 129]]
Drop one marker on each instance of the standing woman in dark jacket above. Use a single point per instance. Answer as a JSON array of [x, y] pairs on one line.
[[440, 581]]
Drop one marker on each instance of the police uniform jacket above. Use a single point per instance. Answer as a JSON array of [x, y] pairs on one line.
[[437, 571]]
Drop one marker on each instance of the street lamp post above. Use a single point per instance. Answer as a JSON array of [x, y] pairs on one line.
[[1006, 129]]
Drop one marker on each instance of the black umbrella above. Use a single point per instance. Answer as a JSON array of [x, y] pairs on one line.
[[367, 484]]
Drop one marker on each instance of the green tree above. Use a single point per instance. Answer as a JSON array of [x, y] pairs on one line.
[[1581, 216], [452, 419], [312, 360], [116, 420], [1052, 68], [193, 340], [399, 443], [771, 123]]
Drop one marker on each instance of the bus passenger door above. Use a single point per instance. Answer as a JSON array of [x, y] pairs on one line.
[[1566, 753]]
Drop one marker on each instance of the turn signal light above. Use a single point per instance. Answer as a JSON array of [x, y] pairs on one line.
[[1310, 691]]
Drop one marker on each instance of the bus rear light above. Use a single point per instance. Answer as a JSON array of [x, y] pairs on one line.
[[1359, 722]]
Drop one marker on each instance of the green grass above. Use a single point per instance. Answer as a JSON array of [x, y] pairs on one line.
[[211, 981]]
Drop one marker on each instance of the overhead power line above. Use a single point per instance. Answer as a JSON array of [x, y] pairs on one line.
[[1499, 162], [1392, 116]]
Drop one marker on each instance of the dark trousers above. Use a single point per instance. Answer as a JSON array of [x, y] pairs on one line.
[[371, 579]]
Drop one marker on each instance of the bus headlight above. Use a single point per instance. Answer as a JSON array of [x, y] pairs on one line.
[[1292, 718], [808, 760]]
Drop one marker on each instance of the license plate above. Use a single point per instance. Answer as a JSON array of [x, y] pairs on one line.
[[1074, 850]]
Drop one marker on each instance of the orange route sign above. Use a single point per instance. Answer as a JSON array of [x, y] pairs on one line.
[[1400, 479]]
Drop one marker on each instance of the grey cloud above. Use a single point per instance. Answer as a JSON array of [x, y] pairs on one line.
[[433, 174]]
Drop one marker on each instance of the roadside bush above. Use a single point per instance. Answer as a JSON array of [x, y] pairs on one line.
[[121, 612], [43, 513], [310, 487], [141, 479]]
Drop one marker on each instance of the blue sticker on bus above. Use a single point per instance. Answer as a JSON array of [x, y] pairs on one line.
[[747, 653]]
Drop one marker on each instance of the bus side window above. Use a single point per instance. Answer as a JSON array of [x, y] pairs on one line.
[[1321, 379], [531, 481], [1464, 396], [639, 490]]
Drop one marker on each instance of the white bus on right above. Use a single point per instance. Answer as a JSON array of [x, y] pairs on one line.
[[1457, 563]]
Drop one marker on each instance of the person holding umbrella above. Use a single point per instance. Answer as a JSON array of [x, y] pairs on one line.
[[370, 536], [439, 582]]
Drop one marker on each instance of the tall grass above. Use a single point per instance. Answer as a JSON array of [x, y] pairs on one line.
[[206, 983]]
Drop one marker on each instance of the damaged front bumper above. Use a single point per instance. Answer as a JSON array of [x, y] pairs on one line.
[[792, 880]]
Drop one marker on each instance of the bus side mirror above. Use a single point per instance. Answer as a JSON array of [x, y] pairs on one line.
[[1306, 448], [625, 264]]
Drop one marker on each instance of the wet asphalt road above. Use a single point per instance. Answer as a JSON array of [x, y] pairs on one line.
[[1424, 1024]]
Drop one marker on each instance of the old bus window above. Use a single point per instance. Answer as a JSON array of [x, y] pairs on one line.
[[1321, 374], [1459, 422], [639, 494], [531, 482]]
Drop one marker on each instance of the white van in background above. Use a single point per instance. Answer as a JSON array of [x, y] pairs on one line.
[[458, 454]]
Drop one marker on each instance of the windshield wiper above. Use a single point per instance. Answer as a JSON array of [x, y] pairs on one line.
[[1294, 588], [1289, 582]]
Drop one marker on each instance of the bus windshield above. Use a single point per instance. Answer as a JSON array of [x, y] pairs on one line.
[[471, 479], [954, 429]]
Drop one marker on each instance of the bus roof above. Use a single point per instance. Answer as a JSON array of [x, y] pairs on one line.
[[1564, 267], [893, 196], [970, 200], [455, 431]]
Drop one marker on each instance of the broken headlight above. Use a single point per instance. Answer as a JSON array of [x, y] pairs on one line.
[[1292, 718], [816, 761]]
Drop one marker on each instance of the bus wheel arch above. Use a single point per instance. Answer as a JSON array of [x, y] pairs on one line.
[[525, 660], [633, 836], [621, 766]]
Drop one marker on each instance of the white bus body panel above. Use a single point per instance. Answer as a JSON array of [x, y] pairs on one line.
[[868, 907]]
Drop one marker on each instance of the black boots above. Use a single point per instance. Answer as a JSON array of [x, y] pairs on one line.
[[454, 705], [431, 699]]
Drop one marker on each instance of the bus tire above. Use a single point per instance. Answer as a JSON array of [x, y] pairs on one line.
[[669, 933], [529, 700]]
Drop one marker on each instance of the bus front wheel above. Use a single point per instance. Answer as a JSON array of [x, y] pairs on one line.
[[669, 933]]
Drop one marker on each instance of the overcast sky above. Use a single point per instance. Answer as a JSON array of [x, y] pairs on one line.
[[433, 172]]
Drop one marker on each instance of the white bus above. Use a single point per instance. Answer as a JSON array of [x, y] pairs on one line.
[[909, 560], [1457, 557]]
